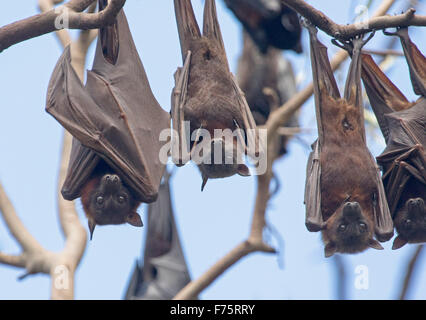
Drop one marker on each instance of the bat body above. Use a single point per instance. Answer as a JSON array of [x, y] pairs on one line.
[[207, 96], [164, 272], [258, 71], [403, 124], [269, 23], [115, 121], [344, 194]]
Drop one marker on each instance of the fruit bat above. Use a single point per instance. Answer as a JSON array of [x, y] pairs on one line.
[[344, 194], [256, 72], [403, 124], [115, 121], [269, 22], [164, 272], [207, 96]]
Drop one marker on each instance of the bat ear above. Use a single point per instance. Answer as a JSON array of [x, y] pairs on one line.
[[92, 225], [398, 243], [330, 249], [243, 170], [205, 178], [375, 244], [134, 219]]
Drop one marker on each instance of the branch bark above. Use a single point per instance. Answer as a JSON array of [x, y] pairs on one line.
[[345, 32], [411, 266], [69, 15]]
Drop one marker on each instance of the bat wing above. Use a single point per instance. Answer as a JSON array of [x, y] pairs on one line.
[[165, 271], [384, 96], [115, 114], [82, 163], [325, 88], [314, 220], [416, 62], [404, 156]]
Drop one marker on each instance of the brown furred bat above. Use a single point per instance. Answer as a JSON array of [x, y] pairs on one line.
[[269, 23], [207, 96], [344, 194], [256, 72], [403, 124], [115, 121]]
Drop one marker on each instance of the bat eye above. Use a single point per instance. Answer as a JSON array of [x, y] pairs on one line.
[[121, 199], [342, 227], [362, 226], [100, 200]]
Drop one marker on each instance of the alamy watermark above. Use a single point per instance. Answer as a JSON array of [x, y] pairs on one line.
[[361, 278]]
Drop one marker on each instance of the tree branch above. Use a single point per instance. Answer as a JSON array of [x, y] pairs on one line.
[[346, 32], [68, 16], [411, 266]]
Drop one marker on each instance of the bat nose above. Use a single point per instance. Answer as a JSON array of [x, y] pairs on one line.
[[415, 202], [352, 210], [111, 179]]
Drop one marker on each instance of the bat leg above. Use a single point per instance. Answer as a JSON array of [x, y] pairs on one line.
[[180, 145]]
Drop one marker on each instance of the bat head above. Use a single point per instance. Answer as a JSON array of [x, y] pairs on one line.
[[410, 222], [221, 161], [348, 231], [107, 201]]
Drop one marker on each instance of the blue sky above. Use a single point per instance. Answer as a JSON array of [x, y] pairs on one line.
[[210, 223]]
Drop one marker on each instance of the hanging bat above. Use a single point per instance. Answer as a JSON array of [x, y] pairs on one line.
[[164, 272], [207, 96], [269, 23], [403, 124], [257, 71], [344, 195], [115, 121]]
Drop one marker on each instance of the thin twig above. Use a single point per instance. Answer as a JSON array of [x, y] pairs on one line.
[[69, 15]]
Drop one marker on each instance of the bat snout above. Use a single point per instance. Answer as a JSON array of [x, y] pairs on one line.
[[415, 203], [352, 211], [111, 183]]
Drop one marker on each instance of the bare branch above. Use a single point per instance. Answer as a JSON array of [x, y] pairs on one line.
[[73, 18], [411, 266], [12, 260], [192, 289], [15, 225], [345, 32], [388, 52]]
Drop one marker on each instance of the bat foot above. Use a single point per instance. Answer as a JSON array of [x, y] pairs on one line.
[[310, 26]]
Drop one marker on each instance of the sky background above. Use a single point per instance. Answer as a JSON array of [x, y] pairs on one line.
[[210, 223]]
